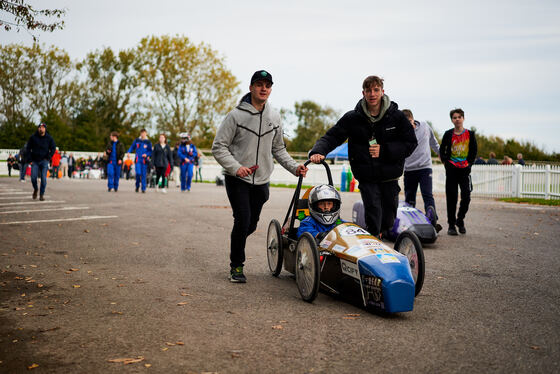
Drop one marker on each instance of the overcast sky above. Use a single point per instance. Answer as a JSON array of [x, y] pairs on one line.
[[498, 60]]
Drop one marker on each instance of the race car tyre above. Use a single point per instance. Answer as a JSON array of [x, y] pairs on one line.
[[408, 244], [307, 267], [274, 249]]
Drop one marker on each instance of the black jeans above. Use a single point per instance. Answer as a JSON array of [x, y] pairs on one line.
[[246, 202], [381, 201], [411, 181], [454, 178]]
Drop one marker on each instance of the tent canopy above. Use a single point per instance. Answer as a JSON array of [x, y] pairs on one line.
[[339, 153]]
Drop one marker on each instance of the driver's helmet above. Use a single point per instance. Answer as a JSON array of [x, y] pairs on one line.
[[321, 193], [185, 136]]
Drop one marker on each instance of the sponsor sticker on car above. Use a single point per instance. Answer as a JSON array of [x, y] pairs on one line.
[[350, 269]]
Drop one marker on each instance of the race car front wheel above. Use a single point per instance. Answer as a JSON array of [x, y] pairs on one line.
[[307, 267], [408, 244], [274, 249]]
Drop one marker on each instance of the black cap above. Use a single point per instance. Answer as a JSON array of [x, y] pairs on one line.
[[261, 75], [42, 124]]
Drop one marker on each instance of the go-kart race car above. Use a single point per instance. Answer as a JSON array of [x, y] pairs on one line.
[[409, 218], [348, 262]]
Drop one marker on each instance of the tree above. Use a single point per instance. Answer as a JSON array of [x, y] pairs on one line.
[[23, 15], [313, 122], [113, 93], [189, 86]]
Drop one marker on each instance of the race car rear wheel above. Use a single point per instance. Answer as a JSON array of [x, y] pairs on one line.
[[307, 267], [274, 249], [408, 244]]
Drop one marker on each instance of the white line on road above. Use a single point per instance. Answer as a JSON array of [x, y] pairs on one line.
[[15, 197], [46, 210], [33, 202], [82, 218], [14, 193]]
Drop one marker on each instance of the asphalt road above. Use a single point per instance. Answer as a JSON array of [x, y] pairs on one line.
[[144, 276]]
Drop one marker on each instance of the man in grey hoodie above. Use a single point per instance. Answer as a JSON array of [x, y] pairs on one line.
[[418, 167], [245, 144]]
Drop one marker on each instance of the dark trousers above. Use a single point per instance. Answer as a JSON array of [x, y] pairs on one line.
[[381, 201], [454, 178], [411, 181], [160, 173], [9, 170], [246, 202], [22, 170]]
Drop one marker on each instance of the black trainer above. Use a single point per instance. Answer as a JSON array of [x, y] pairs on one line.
[[452, 231], [236, 275], [35, 194], [461, 226], [137, 189], [41, 198]]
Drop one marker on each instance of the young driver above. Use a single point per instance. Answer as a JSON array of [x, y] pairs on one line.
[[324, 210]]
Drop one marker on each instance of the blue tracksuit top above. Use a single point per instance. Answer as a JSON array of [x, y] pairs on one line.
[[114, 152], [313, 227], [140, 147], [187, 151]]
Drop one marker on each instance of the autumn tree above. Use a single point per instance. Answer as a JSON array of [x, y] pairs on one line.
[[19, 14], [313, 121], [189, 87], [112, 94]]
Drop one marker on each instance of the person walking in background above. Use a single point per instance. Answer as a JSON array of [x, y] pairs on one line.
[[418, 168], [71, 165], [492, 159], [458, 152], [55, 164], [11, 161], [177, 165], [127, 166], [379, 140], [64, 164], [22, 157], [114, 153], [187, 154], [41, 148], [143, 149], [198, 165], [245, 143], [162, 157], [520, 159]]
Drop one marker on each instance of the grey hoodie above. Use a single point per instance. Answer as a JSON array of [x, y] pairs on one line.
[[248, 137], [421, 158]]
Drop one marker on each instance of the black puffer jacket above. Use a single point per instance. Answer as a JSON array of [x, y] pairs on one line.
[[393, 133]]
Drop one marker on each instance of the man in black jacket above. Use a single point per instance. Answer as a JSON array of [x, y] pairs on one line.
[[379, 139], [40, 148], [458, 151]]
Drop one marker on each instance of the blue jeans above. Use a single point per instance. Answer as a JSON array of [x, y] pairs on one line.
[[411, 181], [22, 170], [42, 167]]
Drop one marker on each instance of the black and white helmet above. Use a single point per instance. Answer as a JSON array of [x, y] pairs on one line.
[[320, 193]]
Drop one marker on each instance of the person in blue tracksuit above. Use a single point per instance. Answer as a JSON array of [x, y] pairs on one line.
[[143, 149], [114, 153], [324, 210], [187, 154]]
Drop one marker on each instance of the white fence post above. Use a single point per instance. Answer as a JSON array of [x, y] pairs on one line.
[[547, 182], [517, 181]]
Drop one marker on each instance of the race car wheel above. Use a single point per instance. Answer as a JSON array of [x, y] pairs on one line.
[[408, 244], [274, 249], [307, 267]]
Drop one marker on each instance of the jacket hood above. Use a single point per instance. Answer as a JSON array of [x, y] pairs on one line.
[[361, 107], [245, 104]]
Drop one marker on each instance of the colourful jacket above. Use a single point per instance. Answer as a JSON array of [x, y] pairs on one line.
[[187, 151]]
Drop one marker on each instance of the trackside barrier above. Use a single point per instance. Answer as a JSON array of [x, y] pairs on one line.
[[492, 181]]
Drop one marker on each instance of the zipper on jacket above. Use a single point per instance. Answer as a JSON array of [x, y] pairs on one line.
[[258, 143]]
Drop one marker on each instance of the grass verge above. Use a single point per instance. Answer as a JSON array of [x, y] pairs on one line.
[[526, 200]]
